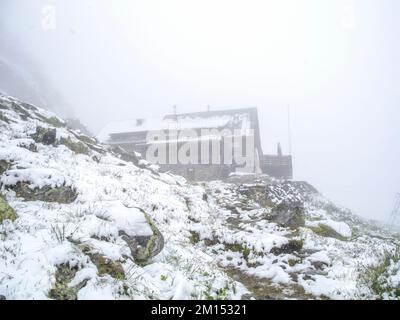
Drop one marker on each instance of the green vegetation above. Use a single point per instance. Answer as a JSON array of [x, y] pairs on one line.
[[6, 212], [235, 247], [64, 195], [194, 237], [293, 262], [376, 277], [104, 265], [47, 136], [77, 147], [326, 231], [218, 294], [53, 121], [61, 289]]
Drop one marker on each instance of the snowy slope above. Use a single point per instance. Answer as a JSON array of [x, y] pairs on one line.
[[220, 239]]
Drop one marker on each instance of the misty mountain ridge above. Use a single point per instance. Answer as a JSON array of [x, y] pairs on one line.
[[81, 221], [20, 77]]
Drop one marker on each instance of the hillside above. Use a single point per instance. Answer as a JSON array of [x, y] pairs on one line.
[[80, 221]]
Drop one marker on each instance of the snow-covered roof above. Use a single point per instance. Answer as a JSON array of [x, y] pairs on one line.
[[130, 126], [234, 119]]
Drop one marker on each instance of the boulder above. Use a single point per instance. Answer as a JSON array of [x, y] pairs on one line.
[[47, 136], [61, 289], [104, 265], [54, 121], [77, 147], [324, 230], [125, 155], [289, 248], [288, 214], [4, 118], [143, 248], [4, 166], [31, 146], [6, 212], [63, 194]]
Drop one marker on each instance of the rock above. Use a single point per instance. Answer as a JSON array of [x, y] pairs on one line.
[[88, 141], [258, 194], [268, 195], [64, 194], [143, 248], [324, 230], [6, 212], [31, 147], [247, 297], [104, 265], [4, 166], [55, 122], [28, 144], [76, 125], [107, 266], [288, 214], [22, 111], [194, 237], [61, 289], [239, 179], [77, 147], [46, 136], [84, 138], [126, 156], [4, 118], [288, 248], [319, 265]]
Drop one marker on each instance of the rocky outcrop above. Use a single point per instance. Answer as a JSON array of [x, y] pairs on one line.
[[125, 155], [291, 247], [77, 147], [288, 214], [6, 212], [4, 118], [143, 248], [47, 136], [4, 166], [61, 289], [104, 265], [65, 194], [53, 121], [324, 230], [28, 145]]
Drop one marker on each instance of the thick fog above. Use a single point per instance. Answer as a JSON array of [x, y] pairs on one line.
[[334, 62]]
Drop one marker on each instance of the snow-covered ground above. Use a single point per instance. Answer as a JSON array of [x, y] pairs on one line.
[[220, 239]]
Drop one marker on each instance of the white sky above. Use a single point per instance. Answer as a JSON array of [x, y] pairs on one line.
[[335, 62]]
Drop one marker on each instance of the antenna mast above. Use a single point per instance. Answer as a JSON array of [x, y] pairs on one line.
[[394, 219]]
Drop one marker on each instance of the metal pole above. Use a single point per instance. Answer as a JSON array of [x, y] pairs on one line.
[[395, 215]]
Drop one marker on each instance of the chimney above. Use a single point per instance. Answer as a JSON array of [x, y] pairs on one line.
[[279, 150]]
